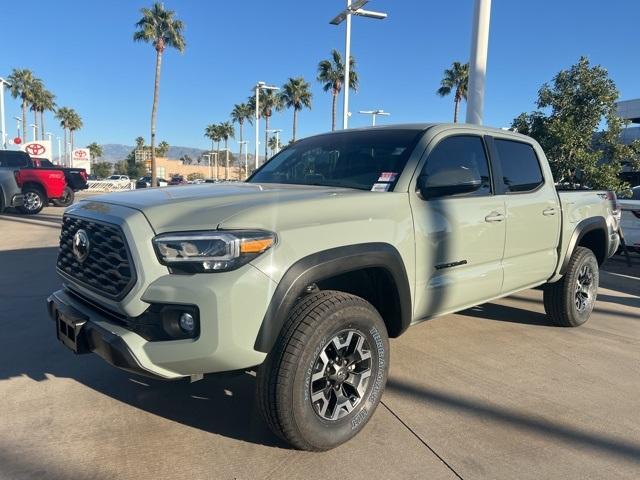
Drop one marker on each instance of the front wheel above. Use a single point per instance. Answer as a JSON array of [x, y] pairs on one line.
[[324, 377], [570, 301], [66, 199], [34, 200]]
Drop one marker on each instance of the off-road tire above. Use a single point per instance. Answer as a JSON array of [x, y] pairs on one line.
[[26, 208], [560, 298], [66, 199], [284, 380]]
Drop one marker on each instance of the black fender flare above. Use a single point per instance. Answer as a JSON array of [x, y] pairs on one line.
[[585, 226], [326, 264]]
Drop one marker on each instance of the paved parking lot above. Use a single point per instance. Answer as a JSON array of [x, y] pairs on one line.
[[492, 392]]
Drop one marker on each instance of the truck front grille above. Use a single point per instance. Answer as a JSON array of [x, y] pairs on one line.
[[107, 269]]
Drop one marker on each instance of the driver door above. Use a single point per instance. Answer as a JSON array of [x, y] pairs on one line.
[[459, 227]]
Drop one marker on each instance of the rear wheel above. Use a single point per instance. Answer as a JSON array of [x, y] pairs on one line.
[[34, 200], [324, 377], [66, 199], [570, 301]]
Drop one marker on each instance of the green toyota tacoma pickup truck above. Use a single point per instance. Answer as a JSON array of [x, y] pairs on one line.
[[337, 243]]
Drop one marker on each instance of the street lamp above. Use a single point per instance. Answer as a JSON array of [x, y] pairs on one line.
[[478, 60], [59, 150], [18, 120], [3, 127], [246, 161], [354, 8], [212, 153], [260, 86], [374, 114], [33, 130], [277, 132]]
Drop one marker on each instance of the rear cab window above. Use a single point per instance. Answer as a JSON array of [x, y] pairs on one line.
[[520, 166]]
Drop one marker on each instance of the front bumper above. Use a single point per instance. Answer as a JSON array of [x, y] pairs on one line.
[[82, 334]]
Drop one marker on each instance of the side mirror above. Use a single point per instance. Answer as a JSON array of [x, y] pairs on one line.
[[429, 189]]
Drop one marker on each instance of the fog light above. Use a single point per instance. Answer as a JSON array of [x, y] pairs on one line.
[[187, 323]]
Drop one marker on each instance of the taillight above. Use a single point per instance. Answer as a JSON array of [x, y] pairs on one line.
[[16, 174]]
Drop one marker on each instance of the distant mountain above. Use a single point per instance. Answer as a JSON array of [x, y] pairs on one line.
[[115, 152]]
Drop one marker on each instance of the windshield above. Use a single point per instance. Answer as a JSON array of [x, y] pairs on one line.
[[366, 160]]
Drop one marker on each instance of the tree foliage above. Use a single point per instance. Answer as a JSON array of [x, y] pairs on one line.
[[102, 169], [456, 80], [572, 110]]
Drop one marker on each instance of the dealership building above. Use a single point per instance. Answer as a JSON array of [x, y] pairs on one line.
[[630, 110]]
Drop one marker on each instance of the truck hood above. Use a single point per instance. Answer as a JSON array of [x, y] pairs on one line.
[[207, 206]]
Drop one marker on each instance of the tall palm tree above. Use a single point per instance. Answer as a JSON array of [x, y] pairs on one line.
[[36, 96], [242, 112], [64, 115], [46, 104], [139, 142], [226, 131], [455, 79], [331, 74], [75, 123], [22, 82], [160, 28], [163, 148], [213, 132], [295, 94], [269, 101]]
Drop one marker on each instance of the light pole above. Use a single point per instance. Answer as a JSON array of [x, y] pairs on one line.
[[68, 161], [374, 114], [277, 132], [478, 60], [18, 121], [3, 127], [260, 86], [216, 157], [59, 150], [33, 131], [354, 8]]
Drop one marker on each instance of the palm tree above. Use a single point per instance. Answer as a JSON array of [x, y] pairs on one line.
[[274, 145], [95, 151], [455, 79], [226, 131], [160, 28], [139, 143], [75, 123], [269, 101], [35, 97], [295, 94], [212, 132], [46, 103], [163, 148], [65, 114], [331, 74], [22, 81], [242, 112]]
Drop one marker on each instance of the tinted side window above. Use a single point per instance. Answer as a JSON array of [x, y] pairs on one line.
[[520, 166], [458, 160], [13, 159]]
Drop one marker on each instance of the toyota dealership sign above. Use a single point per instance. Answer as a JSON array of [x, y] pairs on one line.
[[81, 158], [38, 149]]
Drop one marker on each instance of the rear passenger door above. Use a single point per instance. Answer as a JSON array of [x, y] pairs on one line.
[[533, 214], [459, 234]]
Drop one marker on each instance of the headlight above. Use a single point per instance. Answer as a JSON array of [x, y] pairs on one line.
[[211, 251]]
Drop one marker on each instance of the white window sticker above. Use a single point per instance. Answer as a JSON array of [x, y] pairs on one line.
[[380, 187]]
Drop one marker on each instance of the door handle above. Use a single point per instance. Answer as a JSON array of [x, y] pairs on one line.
[[494, 217], [549, 211]]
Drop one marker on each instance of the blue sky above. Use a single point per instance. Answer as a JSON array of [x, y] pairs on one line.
[[84, 53]]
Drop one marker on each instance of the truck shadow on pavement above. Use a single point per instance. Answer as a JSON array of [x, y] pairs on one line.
[[222, 404]]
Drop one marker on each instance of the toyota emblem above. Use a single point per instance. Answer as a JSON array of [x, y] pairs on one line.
[[81, 245]]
